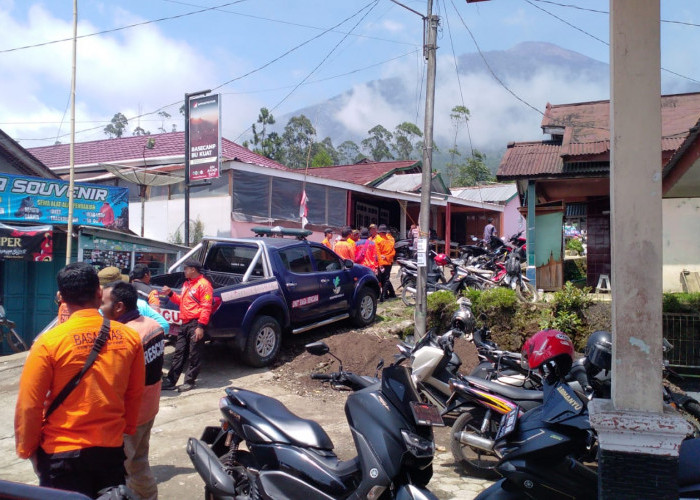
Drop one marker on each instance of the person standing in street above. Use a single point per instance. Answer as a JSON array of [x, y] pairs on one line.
[[327, 241], [489, 231], [78, 445], [140, 277], [385, 256], [195, 301], [366, 251], [119, 304], [344, 248]]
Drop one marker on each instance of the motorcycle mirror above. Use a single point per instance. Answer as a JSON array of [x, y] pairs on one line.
[[380, 365], [317, 348]]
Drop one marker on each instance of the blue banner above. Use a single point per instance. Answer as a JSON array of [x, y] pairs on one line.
[[32, 199]]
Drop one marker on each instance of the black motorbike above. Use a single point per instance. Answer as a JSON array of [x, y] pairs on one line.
[[288, 457], [460, 280]]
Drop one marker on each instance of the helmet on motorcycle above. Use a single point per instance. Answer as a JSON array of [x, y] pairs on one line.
[[441, 259], [463, 319], [549, 346], [599, 349]]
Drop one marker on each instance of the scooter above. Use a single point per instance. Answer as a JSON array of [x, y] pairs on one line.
[[292, 458]]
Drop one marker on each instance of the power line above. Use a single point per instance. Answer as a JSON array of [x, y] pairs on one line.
[[178, 16], [290, 23], [179, 102], [373, 5], [578, 7], [600, 40]]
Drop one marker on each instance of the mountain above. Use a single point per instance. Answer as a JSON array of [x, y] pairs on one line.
[[531, 74]]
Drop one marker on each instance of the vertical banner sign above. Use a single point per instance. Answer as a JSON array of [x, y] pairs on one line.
[[205, 137]]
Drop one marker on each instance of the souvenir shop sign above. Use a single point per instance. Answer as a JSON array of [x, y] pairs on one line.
[[33, 243], [46, 200]]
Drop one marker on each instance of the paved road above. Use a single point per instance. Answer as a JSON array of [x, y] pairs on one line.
[[182, 416]]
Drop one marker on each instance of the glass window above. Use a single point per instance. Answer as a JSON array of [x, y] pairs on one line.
[[286, 195], [158, 193], [297, 260], [326, 260], [337, 206], [213, 187], [251, 193], [317, 203], [233, 259]]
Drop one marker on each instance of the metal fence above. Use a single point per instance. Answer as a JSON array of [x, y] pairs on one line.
[[683, 331]]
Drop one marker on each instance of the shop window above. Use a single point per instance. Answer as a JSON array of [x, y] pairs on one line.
[[251, 193], [317, 203], [286, 197], [337, 207], [213, 187], [297, 260]]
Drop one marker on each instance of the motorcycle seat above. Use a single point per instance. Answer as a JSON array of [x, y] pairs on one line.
[[299, 431], [508, 391]]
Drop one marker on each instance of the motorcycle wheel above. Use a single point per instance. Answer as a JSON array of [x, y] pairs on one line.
[[15, 341], [526, 292], [408, 297], [476, 462]]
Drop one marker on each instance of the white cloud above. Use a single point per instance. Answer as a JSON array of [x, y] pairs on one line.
[[392, 26]]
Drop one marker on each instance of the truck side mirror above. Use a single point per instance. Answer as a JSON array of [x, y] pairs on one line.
[[348, 263]]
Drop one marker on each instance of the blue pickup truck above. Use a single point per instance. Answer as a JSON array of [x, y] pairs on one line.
[[267, 286]]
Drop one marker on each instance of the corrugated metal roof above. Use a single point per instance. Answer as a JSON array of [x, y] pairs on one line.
[[130, 148], [408, 183], [530, 159], [576, 209], [495, 193], [364, 173]]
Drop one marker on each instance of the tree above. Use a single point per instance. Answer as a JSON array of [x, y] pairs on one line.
[[404, 137], [296, 140], [116, 126], [474, 171], [197, 230], [459, 116], [349, 153], [321, 159], [164, 115], [268, 145], [327, 145], [140, 131], [377, 144]]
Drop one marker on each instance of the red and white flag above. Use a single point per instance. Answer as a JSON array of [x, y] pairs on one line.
[[303, 209]]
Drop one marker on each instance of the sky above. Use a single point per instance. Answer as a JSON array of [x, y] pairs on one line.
[[288, 54]]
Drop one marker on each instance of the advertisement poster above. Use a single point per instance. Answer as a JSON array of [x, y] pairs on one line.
[[31, 199], [205, 138], [33, 243]]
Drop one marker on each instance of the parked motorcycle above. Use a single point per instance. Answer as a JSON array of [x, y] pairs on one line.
[[290, 457], [460, 280]]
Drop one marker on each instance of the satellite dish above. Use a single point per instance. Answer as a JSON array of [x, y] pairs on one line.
[[144, 176]]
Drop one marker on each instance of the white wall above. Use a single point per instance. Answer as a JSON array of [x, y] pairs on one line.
[[513, 222], [681, 240]]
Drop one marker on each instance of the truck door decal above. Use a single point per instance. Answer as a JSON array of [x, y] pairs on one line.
[[250, 290]]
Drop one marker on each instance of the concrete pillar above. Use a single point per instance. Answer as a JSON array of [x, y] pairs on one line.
[[402, 217], [531, 272], [448, 228], [638, 443]]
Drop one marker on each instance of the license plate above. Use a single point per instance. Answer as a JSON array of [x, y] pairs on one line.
[[508, 422], [426, 414]]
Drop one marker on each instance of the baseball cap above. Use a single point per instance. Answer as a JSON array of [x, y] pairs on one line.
[[111, 274], [382, 228]]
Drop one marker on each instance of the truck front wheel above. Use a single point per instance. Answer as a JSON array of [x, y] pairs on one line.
[[263, 342], [366, 308]]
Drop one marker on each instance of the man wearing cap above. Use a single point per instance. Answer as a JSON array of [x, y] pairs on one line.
[[385, 256], [195, 302], [112, 274], [328, 233]]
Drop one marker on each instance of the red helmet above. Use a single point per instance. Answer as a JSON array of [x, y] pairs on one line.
[[441, 259], [549, 345]]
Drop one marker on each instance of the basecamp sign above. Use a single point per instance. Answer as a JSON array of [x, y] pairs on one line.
[[27, 243], [204, 148], [38, 200]]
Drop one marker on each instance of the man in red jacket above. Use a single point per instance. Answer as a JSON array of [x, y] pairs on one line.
[[195, 302]]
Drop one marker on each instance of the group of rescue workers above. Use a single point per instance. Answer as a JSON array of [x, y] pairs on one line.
[[90, 388], [372, 247]]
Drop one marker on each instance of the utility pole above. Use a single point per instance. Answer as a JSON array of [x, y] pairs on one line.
[[429, 51], [71, 177], [187, 162]]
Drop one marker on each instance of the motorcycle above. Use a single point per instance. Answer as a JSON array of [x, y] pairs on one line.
[[459, 281], [290, 457]]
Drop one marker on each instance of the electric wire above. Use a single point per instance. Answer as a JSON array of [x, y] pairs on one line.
[[121, 28], [371, 6], [601, 40]]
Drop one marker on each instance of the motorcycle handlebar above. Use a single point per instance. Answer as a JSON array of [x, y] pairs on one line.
[[321, 376]]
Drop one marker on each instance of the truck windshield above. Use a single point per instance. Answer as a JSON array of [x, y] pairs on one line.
[[233, 259]]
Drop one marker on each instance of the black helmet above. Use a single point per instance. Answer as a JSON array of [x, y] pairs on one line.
[[599, 349], [463, 319]]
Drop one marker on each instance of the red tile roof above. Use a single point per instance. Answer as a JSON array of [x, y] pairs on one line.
[[586, 136], [367, 172], [130, 148]]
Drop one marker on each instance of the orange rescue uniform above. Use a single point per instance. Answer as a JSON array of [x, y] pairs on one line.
[[195, 300], [102, 407], [385, 249], [345, 250], [327, 243]]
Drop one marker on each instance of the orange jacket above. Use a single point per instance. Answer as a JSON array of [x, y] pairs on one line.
[[195, 300], [370, 254], [63, 314], [102, 407], [327, 243], [385, 249], [345, 250]]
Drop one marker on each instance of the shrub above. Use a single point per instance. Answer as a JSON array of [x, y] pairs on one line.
[[441, 307], [568, 313], [681, 302], [575, 245]]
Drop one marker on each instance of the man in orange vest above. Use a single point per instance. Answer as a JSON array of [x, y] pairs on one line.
[[385, 255], [328, 233], [344, 248], [195, 302]]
